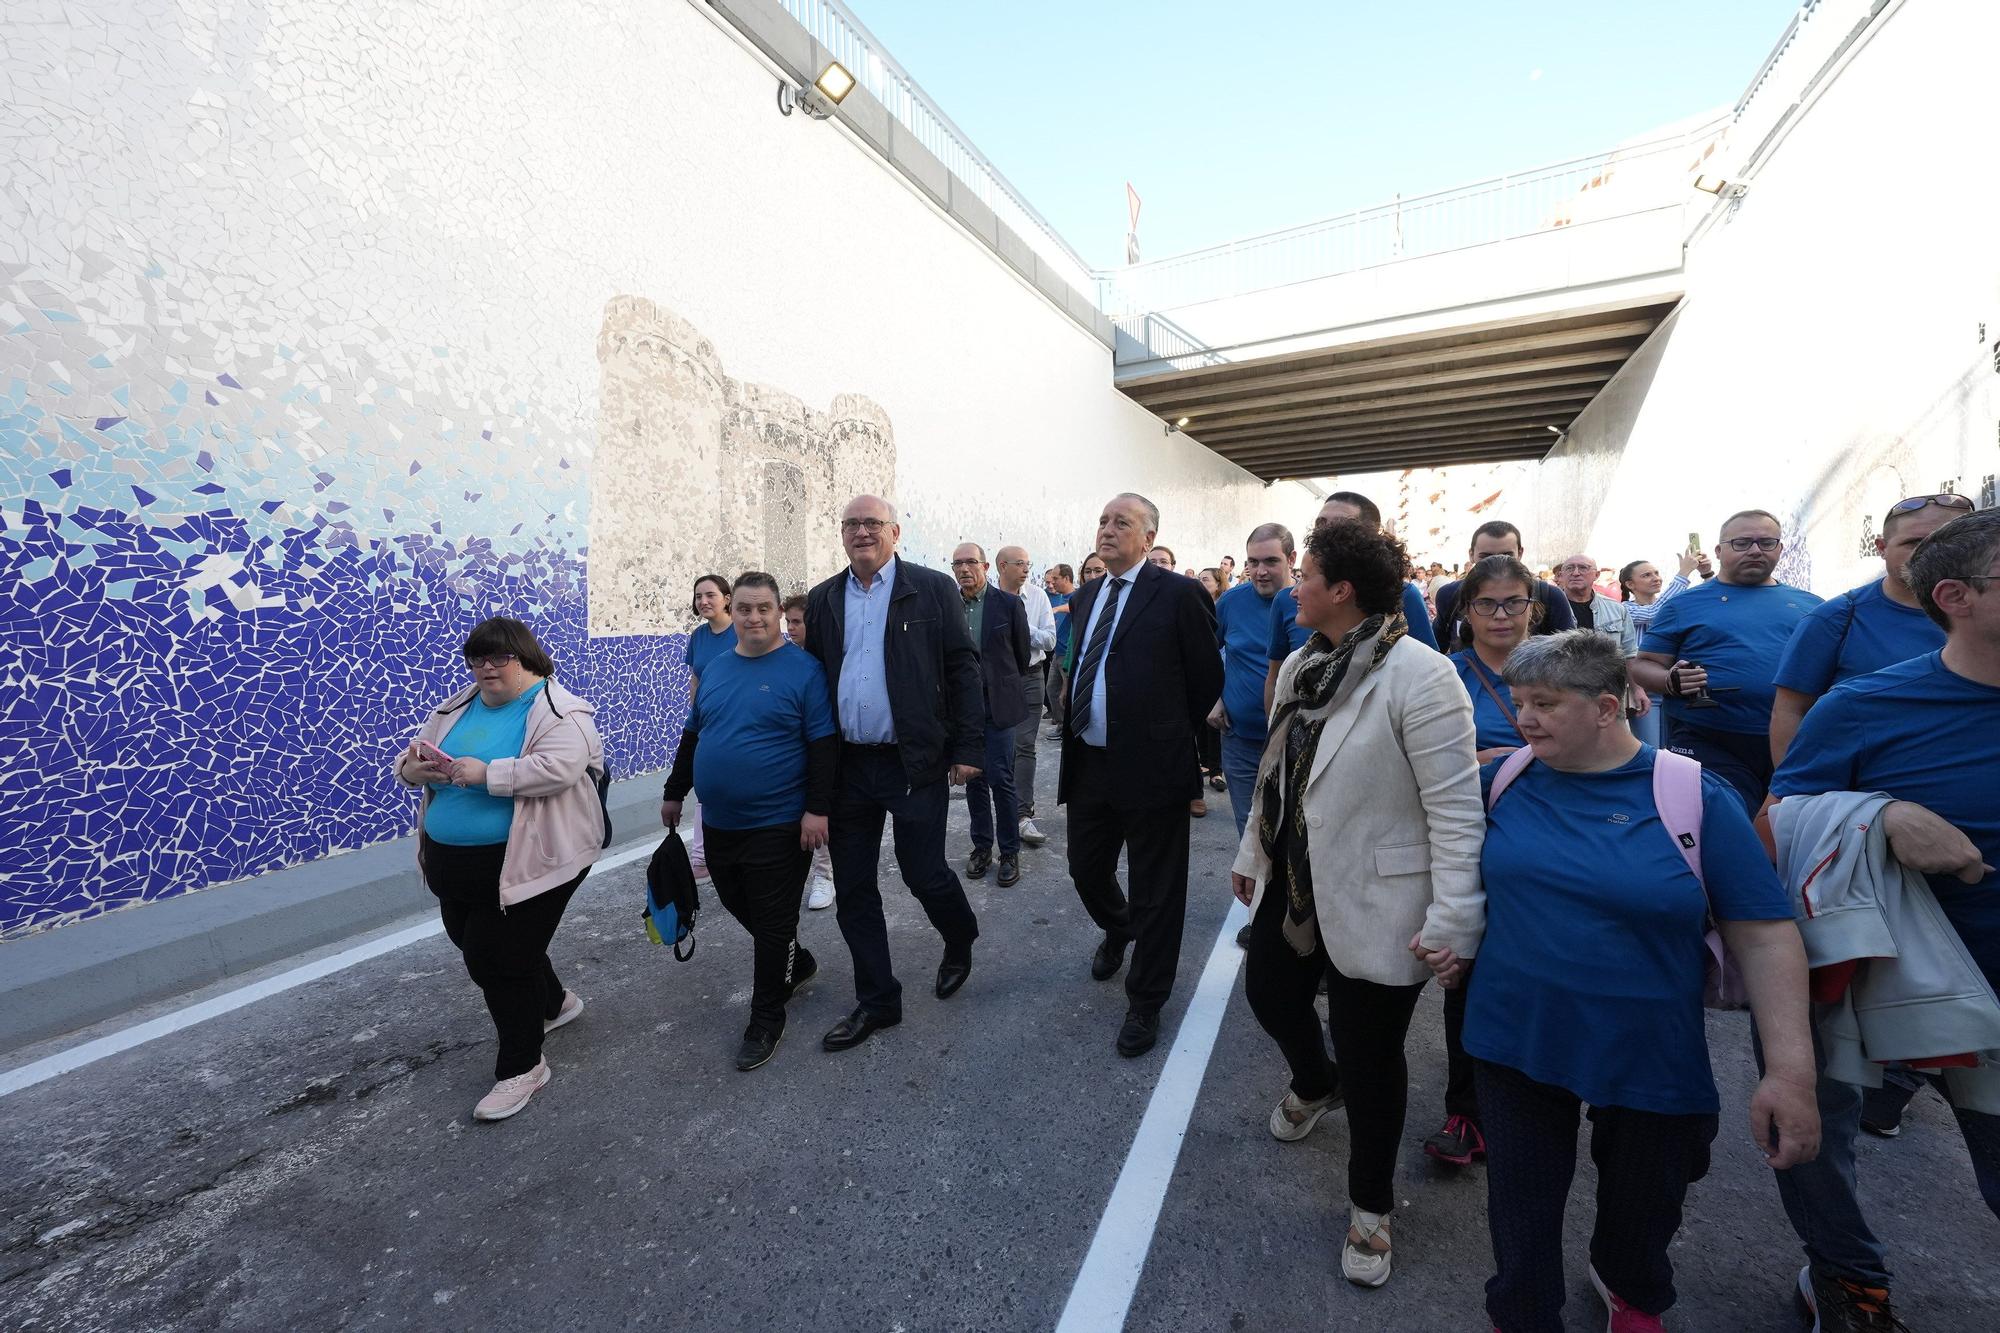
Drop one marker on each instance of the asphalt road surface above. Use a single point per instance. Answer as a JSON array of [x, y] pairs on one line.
[[309, 1161]]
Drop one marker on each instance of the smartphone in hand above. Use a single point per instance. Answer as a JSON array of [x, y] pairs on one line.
[[433, 756]]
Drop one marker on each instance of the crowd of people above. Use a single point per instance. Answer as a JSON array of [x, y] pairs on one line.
[[1588, 803]]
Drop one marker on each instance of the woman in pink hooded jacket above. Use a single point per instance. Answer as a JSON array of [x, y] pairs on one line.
[[509, 824]]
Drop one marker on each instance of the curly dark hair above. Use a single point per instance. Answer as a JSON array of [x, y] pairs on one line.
[[1356, 551]]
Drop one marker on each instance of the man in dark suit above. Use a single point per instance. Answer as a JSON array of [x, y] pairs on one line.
[[998, 624], [906, 693], [1147, 674]]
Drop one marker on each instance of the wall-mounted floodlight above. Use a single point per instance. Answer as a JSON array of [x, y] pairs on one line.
[[1176, 427], [827, 92], [1720, 188]]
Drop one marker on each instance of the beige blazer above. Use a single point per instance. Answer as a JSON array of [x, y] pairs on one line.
[[1394, 820]]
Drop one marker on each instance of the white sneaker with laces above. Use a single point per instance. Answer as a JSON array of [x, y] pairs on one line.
[[821, 896], [509, 1095], [1031, 835], [572, 1005]]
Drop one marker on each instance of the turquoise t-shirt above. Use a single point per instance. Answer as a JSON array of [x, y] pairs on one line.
[[473, 816], [1739, 633]]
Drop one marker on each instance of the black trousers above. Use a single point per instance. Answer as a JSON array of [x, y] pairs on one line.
[[1155, 841], [1645, 1163], [1368, 1023], [1461, 1089], [873, 787], [760, 876], [1742, 759], [506, 953]]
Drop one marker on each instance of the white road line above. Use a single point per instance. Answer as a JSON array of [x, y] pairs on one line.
[[90, 1052], [1102, 1295]]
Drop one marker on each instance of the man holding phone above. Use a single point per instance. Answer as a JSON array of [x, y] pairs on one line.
[[1713, 652]]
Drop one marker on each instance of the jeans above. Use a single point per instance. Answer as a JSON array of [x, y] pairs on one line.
[[1645, 1163], [1240, 754], [1025, 737], [506, 953], [873, 787], [1820, 1196], [760, 874], [990, 798], [1368, 1023]]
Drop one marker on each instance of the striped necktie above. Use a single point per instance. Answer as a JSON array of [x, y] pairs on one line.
[[1093, 659]]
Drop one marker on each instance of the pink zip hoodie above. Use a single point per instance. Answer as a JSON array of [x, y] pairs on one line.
[[558, 827]]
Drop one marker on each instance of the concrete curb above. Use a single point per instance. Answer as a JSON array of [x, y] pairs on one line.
[[68, 978]]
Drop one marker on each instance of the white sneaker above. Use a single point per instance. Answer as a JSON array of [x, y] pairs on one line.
[[1364, 1256], [1293, 1118], [509, 1095], [572, 1005], [1031, 835], [821, 896]]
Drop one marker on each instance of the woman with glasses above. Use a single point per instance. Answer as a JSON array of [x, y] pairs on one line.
[[509, 823], [715, 636], [1643, 591]]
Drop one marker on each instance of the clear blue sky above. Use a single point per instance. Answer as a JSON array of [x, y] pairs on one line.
[[1237, 118]]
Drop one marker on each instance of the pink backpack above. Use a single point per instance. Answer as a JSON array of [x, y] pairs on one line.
[[1677, 798]]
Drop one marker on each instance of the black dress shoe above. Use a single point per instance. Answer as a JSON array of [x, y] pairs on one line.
[[1138, 1033], [975, 864], [951, 975], [1110, 956], [757, 1047], [854, 1029], [1243, 936], [1010, 869]]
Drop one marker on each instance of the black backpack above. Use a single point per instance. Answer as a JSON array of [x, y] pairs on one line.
[[671, 899]]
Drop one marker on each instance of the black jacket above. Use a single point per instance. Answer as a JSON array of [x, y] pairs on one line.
[[1003, 656], [933, 669], [1162, 675]]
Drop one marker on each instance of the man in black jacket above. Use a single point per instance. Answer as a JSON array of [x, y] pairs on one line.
[[1147, 674], [998, 624], [906, 690]]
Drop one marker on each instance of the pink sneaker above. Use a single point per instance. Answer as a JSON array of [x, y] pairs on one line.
[[1624, 1318], [572, 1005], [509, 1095]]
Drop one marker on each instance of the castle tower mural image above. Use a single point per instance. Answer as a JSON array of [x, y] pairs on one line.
[[697, 472]]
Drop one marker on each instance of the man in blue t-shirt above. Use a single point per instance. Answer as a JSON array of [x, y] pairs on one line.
[[1926, 732], [1713, 650], [1243, 629], [1865, 629], [760, 749], [1060, 583], [1288, 636]]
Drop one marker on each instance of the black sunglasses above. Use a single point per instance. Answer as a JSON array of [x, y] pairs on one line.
[[1945, 500]]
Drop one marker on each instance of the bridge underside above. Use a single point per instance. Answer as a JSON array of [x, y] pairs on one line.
[[1480, 392]]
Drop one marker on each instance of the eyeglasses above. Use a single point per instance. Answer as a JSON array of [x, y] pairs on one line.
[[1513, 606], [1761, 543], [493, 660], [868, 525], [1946, 500]]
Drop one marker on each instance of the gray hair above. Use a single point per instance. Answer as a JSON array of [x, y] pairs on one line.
[[1152, 510], [1961, 548], [1271, 532], [1580, 661]]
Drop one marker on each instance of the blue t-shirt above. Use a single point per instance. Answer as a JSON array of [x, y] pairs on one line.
[[473, 816], [1590, 975], [1739, 633], [705, 645], [1288, 635], [1922, 733], [1057, 599], [1856, 633], [755, 716], [1494, 724], [1243, 628]]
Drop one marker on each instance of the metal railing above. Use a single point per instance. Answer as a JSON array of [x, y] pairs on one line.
[[1614, 183], [836, 28]]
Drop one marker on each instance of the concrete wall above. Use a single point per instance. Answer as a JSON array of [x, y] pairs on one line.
[[1829, 357], [310, 357]]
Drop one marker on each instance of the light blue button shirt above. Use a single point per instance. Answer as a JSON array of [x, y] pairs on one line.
[[1093, 731], [863, 705]]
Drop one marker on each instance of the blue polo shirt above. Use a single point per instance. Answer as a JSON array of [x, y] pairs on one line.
[[1494, 724], [473, 816], [755, 716], [705, 645], [1853, 634], [1288, 635], [1243, 628], [1920, 732], [1590, 974], [1738, 633]]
